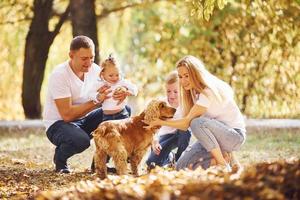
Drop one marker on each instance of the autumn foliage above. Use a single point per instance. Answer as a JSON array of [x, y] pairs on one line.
[[277, 180], [253, 45]]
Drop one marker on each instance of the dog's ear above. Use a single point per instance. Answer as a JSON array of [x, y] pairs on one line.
[[152, 111], [162, 104]]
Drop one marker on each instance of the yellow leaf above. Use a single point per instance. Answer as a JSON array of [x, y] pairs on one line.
[[221, 3]]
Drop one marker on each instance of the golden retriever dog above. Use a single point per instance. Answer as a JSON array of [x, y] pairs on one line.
[[127, 138]]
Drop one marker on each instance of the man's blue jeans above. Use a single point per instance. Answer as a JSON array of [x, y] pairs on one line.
[[73, 137], [179, 139], [123, 114]]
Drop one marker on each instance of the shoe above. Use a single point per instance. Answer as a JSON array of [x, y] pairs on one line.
[[227, 168], [111, 170], [172, 160], [151, 167], [222, 168], [61, 166], [234, 163], [63, 171]]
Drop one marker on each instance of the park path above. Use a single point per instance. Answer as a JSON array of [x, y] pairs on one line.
[[250, 124]]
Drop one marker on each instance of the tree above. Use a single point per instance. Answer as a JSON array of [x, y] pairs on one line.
[[40, 38], [84, 21], [253, 46], [203, 9], [38, 42]]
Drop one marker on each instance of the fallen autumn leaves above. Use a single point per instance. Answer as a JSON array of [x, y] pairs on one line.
[[277, 180]]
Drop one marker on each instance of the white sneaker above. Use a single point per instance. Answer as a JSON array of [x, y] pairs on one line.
[[234, 163], [172, 160], [228, 169]]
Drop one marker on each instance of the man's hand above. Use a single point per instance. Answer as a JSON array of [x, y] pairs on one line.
[[103, 93], [103, 89], [120, 94], [156, 147]]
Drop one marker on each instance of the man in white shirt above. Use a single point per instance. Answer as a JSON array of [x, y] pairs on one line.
[[69, 119]]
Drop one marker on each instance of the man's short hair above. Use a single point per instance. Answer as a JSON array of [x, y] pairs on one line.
[[172, 77], [81, 41]]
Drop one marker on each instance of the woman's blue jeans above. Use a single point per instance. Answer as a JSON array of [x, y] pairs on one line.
[[210, 134]]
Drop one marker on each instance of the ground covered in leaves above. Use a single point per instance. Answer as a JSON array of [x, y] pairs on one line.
[[278, 180], [26, 171]]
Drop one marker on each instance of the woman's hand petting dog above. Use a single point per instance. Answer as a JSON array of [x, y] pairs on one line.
[[153, 123]]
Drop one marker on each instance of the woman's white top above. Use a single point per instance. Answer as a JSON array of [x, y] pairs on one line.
[[89, 91], [226, 111]]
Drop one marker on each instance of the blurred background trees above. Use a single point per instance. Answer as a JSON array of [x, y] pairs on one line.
[[38, 42], [253, 45]]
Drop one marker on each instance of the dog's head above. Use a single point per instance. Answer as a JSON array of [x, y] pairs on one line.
[[158, 109]]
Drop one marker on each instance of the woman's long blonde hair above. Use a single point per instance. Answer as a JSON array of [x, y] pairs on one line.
[[200, 80]]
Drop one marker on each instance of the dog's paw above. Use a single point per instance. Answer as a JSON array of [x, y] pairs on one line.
[[101, 175]]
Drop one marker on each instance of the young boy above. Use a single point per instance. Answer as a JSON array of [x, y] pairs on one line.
[[169, 138]]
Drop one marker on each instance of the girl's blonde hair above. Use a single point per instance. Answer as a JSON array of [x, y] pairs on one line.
[[201, 79], [108, 62]]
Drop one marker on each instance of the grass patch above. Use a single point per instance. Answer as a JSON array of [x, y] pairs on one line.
[[26, 159], [267, 146]]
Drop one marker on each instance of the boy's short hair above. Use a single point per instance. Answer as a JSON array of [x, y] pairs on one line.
[[81, 41], [172, 77]]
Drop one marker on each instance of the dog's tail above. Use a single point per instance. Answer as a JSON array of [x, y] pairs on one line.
[[99, 132], [105, 132]]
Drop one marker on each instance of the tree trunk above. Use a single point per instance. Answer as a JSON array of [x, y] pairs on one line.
[[38, 42], [84, 21]]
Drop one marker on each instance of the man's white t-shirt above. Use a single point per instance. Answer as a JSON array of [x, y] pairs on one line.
[[226, 111], [89, 91], [64, 83]]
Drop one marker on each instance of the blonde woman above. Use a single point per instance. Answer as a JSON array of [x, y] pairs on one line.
[[210, 111]]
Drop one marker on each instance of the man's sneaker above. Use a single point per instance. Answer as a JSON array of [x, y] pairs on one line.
[[63, 171], [60, 166], [111, 170]]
